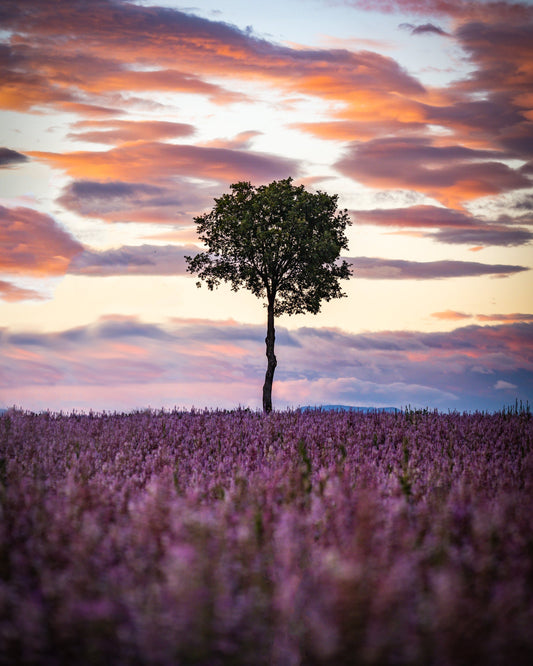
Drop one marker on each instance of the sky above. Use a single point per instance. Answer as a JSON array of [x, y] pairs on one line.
[[121, 121]]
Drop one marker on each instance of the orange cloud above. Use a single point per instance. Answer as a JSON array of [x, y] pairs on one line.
[[451, 173], [71, 56], [161, 162], [166, 80], [451, 315], [126, 131], [34, 244], [497, 39], [12, 294], [142, 56]]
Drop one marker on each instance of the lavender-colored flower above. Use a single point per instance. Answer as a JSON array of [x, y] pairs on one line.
[[215, 537]]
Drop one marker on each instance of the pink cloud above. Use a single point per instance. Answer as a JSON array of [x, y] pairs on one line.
[[377, 268], [451, 315], [39, 73], [171, 202], [510, 318], [450, 173], [449, 226], [374, 96], [461, 10], [163, 161], [169, 260], [134, 260], [130, 364], [12, 294], [34, 243], [120, 131]]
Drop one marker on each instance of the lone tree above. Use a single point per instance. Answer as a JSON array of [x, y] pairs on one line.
[[280, 242]]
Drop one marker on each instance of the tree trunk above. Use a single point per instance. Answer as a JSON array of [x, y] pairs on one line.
[[272, 362]]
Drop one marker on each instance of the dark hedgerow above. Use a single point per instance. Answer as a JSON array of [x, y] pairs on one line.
[[288, 538]]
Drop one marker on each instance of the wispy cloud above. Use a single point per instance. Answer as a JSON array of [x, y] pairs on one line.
[[461, 10], [447, 225], [116, 64], [34, 244], [496, 38], [376, 268], [173, 202], [373, 95], [450, 173], [134, 260], [10, 157], [502, 385], [53, 251], [163, 36], [464, 368], [12, 294], [162, 161], [116, 131], [509, 318], [169, 260], [451, 315], [424, 29]]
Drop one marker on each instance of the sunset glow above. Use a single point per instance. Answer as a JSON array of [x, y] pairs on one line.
[[122, 121]]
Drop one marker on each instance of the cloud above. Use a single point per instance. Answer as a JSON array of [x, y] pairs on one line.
[[38, 74], [91, 110], [34, 243], [133, 260], [376, 268], [491, 107], [451, 315], [505, 386], [142, 54], [169, 260], [497, 122], [525, 203], [509, 318], [447, 225], [424, 29], [352, 391], [239, 142], [449, 173], [174, 201], [10, 157], [461, 10], [121, 131], [484, 236], [12, 294], [377, 95], [499, 50], [104, 365], [371, 95], [163, 161]]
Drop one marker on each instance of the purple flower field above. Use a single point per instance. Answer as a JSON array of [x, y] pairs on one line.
[[292, 538]]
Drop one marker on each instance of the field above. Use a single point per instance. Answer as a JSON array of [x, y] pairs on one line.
[[293, 538]]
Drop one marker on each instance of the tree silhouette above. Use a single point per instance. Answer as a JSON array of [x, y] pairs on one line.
[[280, 242]]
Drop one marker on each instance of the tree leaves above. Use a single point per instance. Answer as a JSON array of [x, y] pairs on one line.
[[278, 241]]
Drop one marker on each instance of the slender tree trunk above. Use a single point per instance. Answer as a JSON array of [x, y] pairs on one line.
[[272, 362]]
